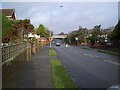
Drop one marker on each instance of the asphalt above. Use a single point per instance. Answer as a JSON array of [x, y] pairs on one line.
[[89, 68], [35, 74]]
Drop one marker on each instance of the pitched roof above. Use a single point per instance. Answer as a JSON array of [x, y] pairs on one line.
[[7, 12]]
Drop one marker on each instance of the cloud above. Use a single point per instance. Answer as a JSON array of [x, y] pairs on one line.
[[39, 17], [70, 16]]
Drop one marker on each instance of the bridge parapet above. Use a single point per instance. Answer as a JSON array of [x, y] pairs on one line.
[[59, 36]]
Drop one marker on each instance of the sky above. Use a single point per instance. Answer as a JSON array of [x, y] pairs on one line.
[[69, 17]]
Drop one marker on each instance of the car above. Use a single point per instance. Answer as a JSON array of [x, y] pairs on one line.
[[114, 87], [57, 44]]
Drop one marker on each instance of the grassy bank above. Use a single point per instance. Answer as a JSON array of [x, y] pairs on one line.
[[87, 48], [52, 52], [60, 78], [103, 51], [108, 52]]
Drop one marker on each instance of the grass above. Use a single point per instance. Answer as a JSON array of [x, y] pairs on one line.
[[52, 52], [108, 52], [103, 51], [87, 48], [60, 78]]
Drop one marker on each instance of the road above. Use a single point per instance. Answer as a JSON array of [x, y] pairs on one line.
[[89, 68]]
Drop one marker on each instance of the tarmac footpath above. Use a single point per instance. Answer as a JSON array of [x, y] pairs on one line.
[[35, 74]]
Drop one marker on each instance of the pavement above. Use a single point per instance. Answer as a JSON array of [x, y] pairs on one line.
[[89, 68], [35, 74]]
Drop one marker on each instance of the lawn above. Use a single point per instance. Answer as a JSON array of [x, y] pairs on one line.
[[60, 78], [52, 52]]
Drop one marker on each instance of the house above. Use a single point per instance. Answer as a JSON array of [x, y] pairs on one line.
[[43, 41], [9, 13]]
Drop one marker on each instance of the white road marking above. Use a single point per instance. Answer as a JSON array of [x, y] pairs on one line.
[[77, 51], [86, 54], [112, 62], [90, 55], [93, 56], [97, 56]]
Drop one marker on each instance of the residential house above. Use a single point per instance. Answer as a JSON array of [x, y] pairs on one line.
[[9, 13], [43, 41]]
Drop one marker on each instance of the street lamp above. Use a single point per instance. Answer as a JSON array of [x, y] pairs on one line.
[[50, 31], [50, 26]]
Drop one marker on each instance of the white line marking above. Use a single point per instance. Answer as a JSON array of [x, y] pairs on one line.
[[85, 54], [97, 56], [78, 51], [93, 56], [112, 62], [90, 55]]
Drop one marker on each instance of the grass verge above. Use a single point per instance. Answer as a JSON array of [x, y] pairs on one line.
[[52, 52], [60, 78], [103, 51], [108, 52], [87, 48]]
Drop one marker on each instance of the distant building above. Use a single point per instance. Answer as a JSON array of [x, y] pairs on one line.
[[9, 13]]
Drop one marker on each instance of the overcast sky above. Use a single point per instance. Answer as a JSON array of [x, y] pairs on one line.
[[69, 17]]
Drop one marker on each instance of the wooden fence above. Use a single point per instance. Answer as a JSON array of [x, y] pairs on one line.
[[12, 51], [14, 57]]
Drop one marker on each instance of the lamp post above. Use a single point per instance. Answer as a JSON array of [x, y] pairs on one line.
[[51, 25], [50, 45]]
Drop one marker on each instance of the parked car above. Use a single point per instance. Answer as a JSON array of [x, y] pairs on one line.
[[114, 87], [57, 44]]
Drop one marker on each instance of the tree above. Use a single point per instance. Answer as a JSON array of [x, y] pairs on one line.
[[6, 24], [14, 30], [42, 31], [115, 34], [81, 33], [62, 33], [71, 37], [95, 34]]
